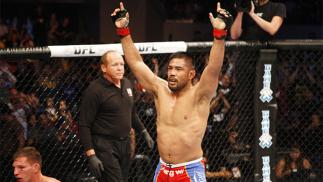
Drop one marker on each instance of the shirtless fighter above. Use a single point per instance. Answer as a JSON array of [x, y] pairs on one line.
[[182, 109]]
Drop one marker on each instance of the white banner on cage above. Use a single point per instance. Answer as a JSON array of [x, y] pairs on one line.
[[100, 49]]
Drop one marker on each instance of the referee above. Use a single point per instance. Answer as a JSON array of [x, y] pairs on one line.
[[107, 114]]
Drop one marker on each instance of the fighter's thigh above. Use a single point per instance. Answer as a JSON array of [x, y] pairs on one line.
[[197, 174], [157, 173]]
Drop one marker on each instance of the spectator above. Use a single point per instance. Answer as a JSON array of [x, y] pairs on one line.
[[21, 110], [39, 27], [220, 104], [11, 138], [223, 173], [65, 32], [294, 167], [313, 139], [264, 20], [233, 162], [3, 28], [33, 129], [46, 133], [53, 36], [7, 81], [53, 20], [304, 90], [51, 110], [26, 41], [65, 123], [13, 38], [237, 156]]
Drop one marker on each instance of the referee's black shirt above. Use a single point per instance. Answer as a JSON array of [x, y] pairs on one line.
[[107, 110]]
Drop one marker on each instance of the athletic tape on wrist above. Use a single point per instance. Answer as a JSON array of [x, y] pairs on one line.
[[123, 31], [219, 34]]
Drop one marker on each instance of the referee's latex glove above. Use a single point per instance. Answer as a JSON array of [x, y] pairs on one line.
[[95, 165], [149, 140]]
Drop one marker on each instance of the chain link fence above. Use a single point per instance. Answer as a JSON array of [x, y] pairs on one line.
[[299, 127], [40, 99]]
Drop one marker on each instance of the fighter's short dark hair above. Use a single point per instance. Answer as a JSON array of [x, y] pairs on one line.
[[183, 55]]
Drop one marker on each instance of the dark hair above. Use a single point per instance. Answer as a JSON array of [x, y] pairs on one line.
[[295, 148], [31, 153], [182, 55]]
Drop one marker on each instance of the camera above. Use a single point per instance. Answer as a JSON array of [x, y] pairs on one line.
[[244, 5]]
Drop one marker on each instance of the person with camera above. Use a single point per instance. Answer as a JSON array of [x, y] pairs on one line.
[[264, 19], [294, 167]]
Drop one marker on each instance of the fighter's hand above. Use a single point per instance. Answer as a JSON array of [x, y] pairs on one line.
[[252, 9], [223, 19], [120, 17]]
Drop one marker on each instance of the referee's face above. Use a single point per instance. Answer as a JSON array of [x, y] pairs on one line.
[[113, 66]]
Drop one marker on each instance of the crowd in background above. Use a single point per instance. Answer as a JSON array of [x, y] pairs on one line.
[[39, 99], [39, 107], [41, 28]]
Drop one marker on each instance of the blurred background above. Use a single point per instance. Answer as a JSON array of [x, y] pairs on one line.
[[39, 97], [51, 22]]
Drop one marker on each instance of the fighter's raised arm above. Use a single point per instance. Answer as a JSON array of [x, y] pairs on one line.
[[210, 76], [145, 76]]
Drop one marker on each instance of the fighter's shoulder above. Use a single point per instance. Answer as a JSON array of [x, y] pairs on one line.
[[49, 179], [199, 93]]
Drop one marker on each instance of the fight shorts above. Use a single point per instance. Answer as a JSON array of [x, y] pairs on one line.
[[193, 171]]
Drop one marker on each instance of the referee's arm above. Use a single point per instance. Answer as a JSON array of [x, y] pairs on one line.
[[88, 111]]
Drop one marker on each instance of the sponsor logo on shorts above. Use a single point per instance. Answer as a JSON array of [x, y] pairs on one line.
[[172, 173], [199, 177]]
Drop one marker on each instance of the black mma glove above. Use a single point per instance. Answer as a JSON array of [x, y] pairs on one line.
[[120, 18], [220, 30], [226, 17], [95, 165]]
